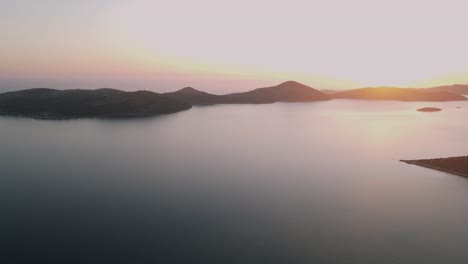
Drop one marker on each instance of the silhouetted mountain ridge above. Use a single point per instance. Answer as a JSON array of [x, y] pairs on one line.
[[194, 97], [108, 102], [289, 91]]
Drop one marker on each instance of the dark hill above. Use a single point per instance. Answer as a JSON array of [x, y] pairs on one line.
[[289, 91], [401, 94], [285, 92], [50, 103], [194, 97]]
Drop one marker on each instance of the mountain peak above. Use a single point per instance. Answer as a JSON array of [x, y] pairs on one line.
[[291, 83], [188, 89]]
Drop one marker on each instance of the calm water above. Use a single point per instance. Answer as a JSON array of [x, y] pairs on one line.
[[279, 183]]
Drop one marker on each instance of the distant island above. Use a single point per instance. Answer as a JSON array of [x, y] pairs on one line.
[[429, 109], [47, 103], [292, 91], [454, 165], [43, 103], [194, 97], [456, 88], [400, 94], [289, 91]]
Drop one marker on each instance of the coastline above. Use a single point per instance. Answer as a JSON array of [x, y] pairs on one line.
[[422, 163], [117, 116]]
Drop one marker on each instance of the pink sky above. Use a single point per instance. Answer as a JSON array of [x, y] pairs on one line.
[[223, 46]]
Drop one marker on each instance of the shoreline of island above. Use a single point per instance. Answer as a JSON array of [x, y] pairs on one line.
[[116, 116], [426, 163]]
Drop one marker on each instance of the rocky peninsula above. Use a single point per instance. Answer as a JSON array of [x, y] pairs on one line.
[[453, 165]]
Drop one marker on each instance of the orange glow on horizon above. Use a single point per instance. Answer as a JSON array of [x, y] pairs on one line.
[[325, 44]]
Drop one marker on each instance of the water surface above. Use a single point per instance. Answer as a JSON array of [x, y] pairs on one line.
[[277, 183]]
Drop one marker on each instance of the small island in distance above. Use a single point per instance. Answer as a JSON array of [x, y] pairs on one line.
[[43, 103], [429, 109]]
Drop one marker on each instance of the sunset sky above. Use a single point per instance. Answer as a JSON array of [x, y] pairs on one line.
[[223, 46]]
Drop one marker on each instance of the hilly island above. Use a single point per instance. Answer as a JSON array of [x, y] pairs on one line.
[[46, 103]]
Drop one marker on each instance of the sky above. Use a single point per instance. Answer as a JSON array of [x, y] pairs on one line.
[[225, 46]]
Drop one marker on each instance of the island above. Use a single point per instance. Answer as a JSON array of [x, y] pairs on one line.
[[43, 103], [195, 97], [453, 165], [400, 94], [456, 88], [289, 91], [429, 109]]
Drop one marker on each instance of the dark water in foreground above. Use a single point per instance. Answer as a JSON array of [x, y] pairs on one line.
[[279, 183]]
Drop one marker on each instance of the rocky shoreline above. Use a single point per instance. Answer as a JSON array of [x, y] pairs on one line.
[[453, 165]]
